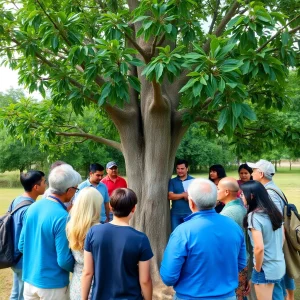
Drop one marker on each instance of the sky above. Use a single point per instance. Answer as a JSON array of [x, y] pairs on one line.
[[9, 79]]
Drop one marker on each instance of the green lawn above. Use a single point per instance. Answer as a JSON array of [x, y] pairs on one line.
[[288, 181]]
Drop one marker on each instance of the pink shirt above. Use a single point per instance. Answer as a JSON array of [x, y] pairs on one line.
[[120, 182]]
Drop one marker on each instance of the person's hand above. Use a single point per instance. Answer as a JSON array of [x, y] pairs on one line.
[[185, 196], [247, 288], [257, 269]]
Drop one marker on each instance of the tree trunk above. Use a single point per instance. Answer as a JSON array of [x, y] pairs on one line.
[[149, 157]]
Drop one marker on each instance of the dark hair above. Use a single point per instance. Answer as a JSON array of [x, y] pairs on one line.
[[182, 162], [122, 201], [246, 167], [219, 169], [56, 164], [258, 199], [30, 179], [96, 167]]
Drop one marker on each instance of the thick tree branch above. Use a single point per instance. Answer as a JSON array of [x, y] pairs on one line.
[[221, 27], [158, 100], [215, 15], [138, 48], [67, 143], [92, 137], [278, 32]]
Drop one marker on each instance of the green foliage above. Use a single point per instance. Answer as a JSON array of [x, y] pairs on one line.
[[202, 151], [93, 55]]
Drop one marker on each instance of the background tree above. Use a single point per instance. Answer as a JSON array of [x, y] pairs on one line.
[[153, 68], [202, 151]]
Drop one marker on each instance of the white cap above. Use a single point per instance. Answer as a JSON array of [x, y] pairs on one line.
[[265, 166]]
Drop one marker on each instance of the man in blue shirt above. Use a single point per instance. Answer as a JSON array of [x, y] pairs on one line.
[[206, 252], [96, 175], [34, 185], [47, 259], [179, 197]]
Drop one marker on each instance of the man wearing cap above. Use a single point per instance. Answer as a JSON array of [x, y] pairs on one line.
[[263, 171], [94, 180], [112, 180]]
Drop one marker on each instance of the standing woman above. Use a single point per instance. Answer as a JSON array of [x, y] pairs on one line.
[[216, 173], [264, 222], [245, 173], [84, 214]]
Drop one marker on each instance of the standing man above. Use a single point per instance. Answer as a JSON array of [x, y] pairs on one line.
[[96, 174], [180, 206], [47, 259], [112, 180], [228, 189], [206, 252], [263, 171], [34, 185]]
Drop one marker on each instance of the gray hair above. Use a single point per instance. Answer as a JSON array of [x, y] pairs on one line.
[[63, 177], [203, 193], [267, 175]]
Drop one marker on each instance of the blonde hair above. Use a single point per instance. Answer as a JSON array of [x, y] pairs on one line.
[[84, 214]]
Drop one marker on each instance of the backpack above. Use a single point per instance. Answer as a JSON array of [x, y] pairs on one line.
[[291, 247], [6, 237]]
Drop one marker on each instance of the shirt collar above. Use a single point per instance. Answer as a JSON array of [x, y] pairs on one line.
[[108, 178], [269, 183], [200, 213], [233, 202], [90, 184], [188, 178]]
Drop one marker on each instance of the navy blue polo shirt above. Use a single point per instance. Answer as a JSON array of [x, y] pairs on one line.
[[175, 186]]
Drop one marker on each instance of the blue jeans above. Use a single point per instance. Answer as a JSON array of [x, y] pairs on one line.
[[279, 292], [18, 285], [259, 278], [228, 298], [177, 219]]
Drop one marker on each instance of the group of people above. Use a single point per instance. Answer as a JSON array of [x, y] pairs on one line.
[[227, 226], [83, 228]]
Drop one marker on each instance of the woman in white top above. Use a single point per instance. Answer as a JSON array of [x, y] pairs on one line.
[[265, 229], [84, 214]]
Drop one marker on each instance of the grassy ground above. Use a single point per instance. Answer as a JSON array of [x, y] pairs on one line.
[[288, 181]]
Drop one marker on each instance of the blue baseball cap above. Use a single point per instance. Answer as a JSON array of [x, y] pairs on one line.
[[111, 164]]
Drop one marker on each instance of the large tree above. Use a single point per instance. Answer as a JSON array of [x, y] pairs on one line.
[[153, 67]]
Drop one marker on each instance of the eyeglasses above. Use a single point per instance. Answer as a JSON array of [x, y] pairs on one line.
[[73, 187]]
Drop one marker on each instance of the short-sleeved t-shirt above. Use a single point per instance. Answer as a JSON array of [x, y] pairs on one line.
[[120, 182], [116, 252], [274, 196], [273, 263], [102, 189], [176, 187]]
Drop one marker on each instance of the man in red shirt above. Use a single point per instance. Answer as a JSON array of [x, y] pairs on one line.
[[112, 180]]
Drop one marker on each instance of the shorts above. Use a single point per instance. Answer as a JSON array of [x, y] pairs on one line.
[[259, 278]]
